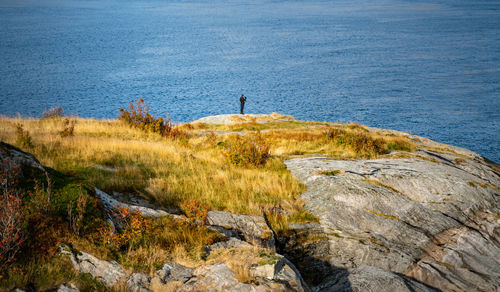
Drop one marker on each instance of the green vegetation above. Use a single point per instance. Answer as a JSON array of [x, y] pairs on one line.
[[331, 172]]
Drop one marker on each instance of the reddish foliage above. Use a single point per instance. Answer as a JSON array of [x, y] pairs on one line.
[[195, 212], [134, 228], [12, 234]]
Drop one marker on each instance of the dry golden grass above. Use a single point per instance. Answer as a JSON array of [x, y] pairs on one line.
[[168, 172]]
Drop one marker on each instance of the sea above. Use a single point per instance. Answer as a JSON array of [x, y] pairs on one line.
[[429, 67]]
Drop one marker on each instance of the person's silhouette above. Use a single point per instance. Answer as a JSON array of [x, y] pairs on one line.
[[242, 102]]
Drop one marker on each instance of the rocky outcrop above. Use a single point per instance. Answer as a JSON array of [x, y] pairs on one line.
[[252, 229], [434, 219], [14, 162], [276, 274], [18, 157]]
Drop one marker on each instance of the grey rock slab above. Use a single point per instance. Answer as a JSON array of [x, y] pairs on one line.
[[280, 270], [67, 288], [173, 271], [108, 272], [138, 282], [269, 270], [435, 221], [252, 228]]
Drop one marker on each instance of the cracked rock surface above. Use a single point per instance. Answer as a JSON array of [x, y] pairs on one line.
[[437, 222]]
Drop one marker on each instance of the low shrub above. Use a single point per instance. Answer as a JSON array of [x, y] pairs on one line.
[[133, 228], [359, 142], [75, 217], [68, 128], [211, 139], [23, 137], [138, 116], [250, 150], [55, 112], [399, 145]]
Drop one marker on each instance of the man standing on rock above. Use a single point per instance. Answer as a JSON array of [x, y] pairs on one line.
[[242, 102]]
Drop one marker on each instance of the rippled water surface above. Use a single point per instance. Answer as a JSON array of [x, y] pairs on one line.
[[428, 67]]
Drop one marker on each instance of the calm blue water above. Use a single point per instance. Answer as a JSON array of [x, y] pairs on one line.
[[428, 67]]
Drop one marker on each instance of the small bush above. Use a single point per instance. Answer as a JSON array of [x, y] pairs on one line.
[[250, 150], [399, 145], [211, 139], [195, 212], [23, 137], [55, 112], [76, 217], [138, 116], [69, 128], [359, 142]]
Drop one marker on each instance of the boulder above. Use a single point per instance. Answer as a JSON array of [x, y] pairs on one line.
[[218, 277], [107, 272], [138, 282], [14, 162], [174, 272], [432, 220], [281, 270], [67, 288], [17, 157], [253, 229]]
